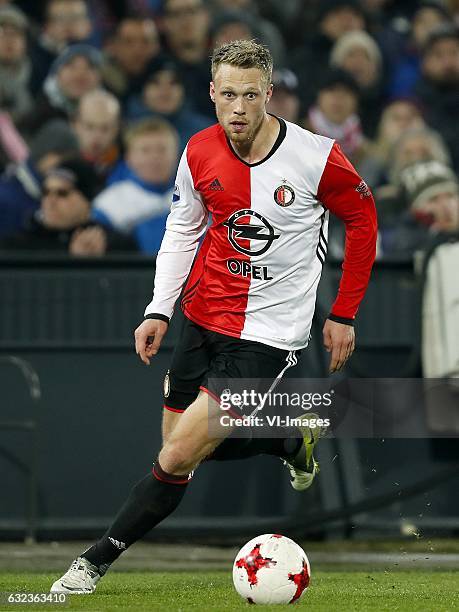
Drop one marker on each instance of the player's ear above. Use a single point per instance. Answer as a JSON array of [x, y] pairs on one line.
[[269, 93], [212, 91]]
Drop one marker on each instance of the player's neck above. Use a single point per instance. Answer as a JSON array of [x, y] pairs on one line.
[[256, 150]]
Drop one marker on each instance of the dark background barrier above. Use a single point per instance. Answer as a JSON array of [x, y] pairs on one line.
[[95, 428]]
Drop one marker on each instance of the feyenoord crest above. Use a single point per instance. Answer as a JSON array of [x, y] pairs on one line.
[[284, 195], [167, 384]]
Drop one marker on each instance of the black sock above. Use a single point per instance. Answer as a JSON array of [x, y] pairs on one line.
[[286, 445], [150, 501]]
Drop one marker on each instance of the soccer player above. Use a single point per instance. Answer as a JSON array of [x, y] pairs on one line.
[[249, 298]]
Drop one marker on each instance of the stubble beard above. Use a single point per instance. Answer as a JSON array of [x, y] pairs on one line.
[[244, 141]]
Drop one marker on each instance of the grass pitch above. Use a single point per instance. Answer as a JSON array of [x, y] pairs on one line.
[[330, 591]]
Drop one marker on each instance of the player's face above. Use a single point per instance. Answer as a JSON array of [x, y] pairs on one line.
[[240, 96]]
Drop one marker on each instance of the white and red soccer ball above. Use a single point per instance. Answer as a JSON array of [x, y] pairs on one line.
[[271, 569]]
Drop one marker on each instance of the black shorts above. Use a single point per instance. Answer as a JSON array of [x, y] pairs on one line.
[[205, 360]]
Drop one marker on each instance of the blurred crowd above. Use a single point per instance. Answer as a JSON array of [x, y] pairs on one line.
[[99, 97]]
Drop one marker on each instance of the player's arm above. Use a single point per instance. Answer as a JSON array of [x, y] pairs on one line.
[[343, 192], [186, 223]]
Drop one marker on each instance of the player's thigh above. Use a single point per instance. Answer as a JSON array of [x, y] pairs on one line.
[[241, 366], [170, 420], [196, 434]]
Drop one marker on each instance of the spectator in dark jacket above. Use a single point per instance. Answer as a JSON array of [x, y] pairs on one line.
[[438, 89], [15, 66], [358, 54], [164, 96], [285, 102], [76, 71], [130, 55], [186, 26], [406, 69], [65, 22], [431, 197], [20, 187], [63, 221], [266, 30], [310, 61]]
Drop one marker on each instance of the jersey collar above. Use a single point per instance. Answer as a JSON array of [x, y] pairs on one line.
[[279, 140]]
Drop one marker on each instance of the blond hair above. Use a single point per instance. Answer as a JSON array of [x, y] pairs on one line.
[[244, 54], [151, 125]]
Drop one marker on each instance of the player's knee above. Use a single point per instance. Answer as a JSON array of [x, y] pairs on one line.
[[175, 460]]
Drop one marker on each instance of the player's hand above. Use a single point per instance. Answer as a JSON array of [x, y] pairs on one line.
[[148, 338], [339, 339], [88, 242]]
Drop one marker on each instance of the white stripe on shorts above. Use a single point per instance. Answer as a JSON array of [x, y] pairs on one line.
[[291, 360]]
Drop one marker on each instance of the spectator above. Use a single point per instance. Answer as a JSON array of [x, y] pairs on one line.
[[15, 67], [105, 14], [335, 18], [415, 145], [266, 31], [285, 101], [186, 26], [20, 187], [97, 125], [164, 96], [438, 88], [453, 6], [399, 116], [431, 196], [335, 114], [229, 25], [76, 71], [284, 14], [421, 144], [140, 204], [65, 22], [405, 72], [63, 221], [358, 54], [130, 54], [379, 11]]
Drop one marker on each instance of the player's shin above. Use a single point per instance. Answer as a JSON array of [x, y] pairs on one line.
[[150, 501]]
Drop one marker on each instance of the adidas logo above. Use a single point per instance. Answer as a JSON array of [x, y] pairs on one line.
[[215, 186], [118, 544]]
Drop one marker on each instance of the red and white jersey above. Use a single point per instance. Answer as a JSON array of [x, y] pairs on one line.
[[256, 273]]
